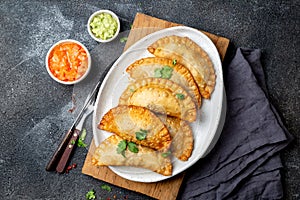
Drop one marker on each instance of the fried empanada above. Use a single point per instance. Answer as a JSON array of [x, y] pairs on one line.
[[182, 137], [107, 153], [165, 68], [161, 96], [137, 124], [192, 56]]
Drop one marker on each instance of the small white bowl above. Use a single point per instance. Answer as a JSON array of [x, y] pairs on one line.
[[98, 39], [81, 77]]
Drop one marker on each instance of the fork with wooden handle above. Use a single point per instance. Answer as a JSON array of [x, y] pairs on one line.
[[62, 154], [73, 141]]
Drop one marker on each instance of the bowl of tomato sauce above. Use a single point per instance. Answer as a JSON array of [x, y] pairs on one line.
[[68, 61]]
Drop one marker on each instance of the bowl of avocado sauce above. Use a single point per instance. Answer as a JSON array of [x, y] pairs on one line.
[[103, 26]]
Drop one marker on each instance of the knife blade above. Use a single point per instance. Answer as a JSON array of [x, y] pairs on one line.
[[52, 164]]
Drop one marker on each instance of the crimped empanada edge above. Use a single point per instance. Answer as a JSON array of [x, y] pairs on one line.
[[206, 88], [190, 113], [107, 122], [179, 68]]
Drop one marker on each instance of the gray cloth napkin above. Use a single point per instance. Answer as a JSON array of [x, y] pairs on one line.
[[245, 162]]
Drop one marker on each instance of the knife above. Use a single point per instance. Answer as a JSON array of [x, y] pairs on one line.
[[52, 164]]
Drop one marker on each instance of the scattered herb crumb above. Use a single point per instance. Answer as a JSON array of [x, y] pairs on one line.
[[180, 96], [174, 62], [90, 195], [73, 142], [106, 187], [81, 139], [166, 154], [123, 39]]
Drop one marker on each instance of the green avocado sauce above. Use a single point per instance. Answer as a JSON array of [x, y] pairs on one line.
[[104, 26]]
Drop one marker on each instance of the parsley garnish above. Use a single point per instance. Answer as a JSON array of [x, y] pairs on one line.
[[141, 135], [106, 187], [180, 96], [132, 147], [90, 195], [72, 141], [81, 139]]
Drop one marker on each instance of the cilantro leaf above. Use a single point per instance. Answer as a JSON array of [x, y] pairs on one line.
[[122, 147], [157, 73], [141, 135], [166, 72], [132, 147], [106, 187], [123, 39], [90, 195], [80, 142], [83, 134]]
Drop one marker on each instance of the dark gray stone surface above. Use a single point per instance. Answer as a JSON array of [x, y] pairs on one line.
[[34, 108]]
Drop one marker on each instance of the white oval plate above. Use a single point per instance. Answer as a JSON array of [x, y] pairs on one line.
[[208, 117]]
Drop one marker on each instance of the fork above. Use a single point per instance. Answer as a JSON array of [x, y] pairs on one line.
[[64, 151]]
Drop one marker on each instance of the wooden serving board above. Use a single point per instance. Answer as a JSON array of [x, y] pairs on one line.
[[167, 189]]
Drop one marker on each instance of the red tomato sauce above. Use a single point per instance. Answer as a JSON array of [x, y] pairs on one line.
[[68, 61]]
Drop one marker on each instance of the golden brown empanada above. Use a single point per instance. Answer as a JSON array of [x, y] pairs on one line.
[[161, 96], [137, 124], [107, 154], [182, 137], [165, 68], [192, 56]]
